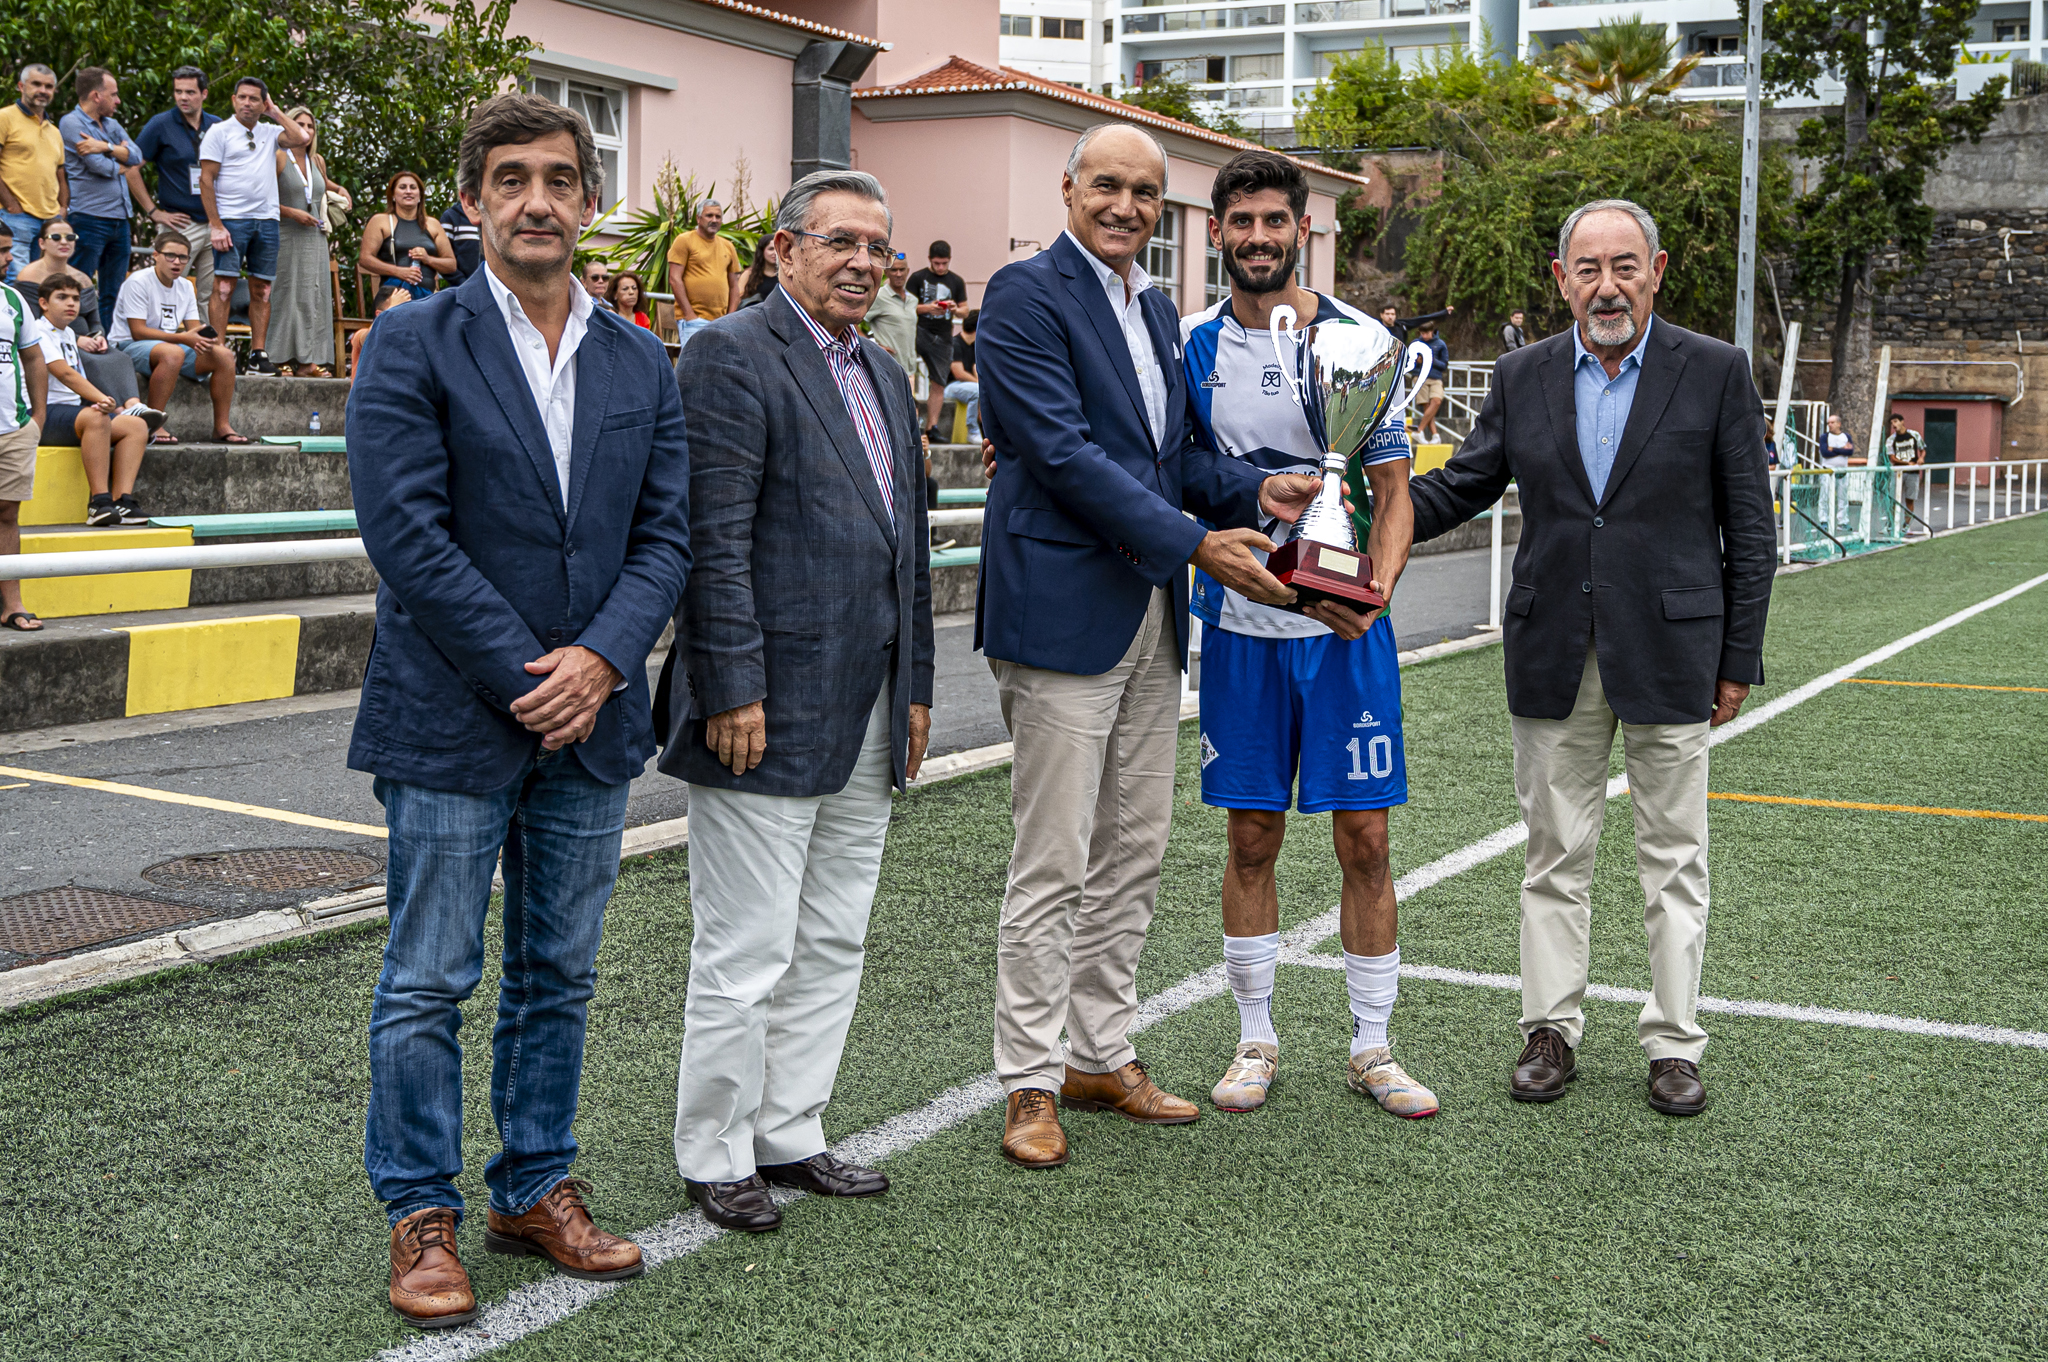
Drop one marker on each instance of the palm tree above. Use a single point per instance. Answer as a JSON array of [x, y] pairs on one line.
[[1622, 69]]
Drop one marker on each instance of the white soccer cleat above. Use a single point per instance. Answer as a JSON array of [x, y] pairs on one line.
[[1375, 1074], [1249, 1077]]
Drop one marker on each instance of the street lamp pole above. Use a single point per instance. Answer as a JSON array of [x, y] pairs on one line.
[[1752, 129]]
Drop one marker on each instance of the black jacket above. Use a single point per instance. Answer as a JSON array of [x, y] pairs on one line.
[[1670, 572]]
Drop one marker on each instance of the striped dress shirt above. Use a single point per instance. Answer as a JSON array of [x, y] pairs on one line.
[[863, 404]]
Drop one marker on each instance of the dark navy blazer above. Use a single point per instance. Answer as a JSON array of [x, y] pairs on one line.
[[481, 568], [1085, 515]]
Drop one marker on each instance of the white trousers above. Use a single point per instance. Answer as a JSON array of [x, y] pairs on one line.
[[780, 889], [1561, 780]]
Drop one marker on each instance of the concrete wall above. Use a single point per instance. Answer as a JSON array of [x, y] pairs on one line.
[[922, 33], [2024, 433], [2007, 168]]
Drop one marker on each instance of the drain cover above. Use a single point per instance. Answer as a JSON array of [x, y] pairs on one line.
[[270, 868], [51, 921]]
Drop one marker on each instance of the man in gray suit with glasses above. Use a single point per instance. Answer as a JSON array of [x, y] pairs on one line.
[[805, 646]]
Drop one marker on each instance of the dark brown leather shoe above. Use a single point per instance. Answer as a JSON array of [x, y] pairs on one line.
[[1546, 1065], [429, 1288], [1675, 1087], [559, 1229], [1032, 1137], [1130, 1093], [742, 1205], [825, 1174]]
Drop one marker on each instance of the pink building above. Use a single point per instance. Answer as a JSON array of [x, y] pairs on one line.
[[910, 91]]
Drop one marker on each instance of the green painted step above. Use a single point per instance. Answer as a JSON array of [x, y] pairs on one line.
[[271, 522], [947, 558], [963, 496], [312, 444]]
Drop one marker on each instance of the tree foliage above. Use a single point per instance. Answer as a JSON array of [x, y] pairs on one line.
[[390, 81], [1622, 69], [1896, 122], [1171, 96]]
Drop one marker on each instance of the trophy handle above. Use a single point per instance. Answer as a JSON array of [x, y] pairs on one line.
[[1283, 325], [1414, 361]]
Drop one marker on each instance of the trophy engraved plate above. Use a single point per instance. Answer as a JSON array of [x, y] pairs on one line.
[[1350, 378]]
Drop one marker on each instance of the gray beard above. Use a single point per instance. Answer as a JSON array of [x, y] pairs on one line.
[[1611, 333]]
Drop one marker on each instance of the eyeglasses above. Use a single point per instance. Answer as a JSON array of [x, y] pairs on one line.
[[180, 258], [59, 236], [878, 252]]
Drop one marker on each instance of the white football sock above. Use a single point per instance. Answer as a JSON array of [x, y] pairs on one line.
[[1373, 981], [1249, 962]]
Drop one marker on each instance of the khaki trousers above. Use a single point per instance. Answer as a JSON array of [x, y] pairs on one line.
[[1561, 780], [199, 240], [1091, 794]]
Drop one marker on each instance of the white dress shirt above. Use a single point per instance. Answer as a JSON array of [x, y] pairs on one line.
[[553, 386], [1124, 303]]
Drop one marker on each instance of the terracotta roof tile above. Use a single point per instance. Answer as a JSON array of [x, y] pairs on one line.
[[778, 17], [960, 76]]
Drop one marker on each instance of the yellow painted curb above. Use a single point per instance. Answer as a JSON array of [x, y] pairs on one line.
[[211, 662], [61, 492], [1428, 457], [111, 592]]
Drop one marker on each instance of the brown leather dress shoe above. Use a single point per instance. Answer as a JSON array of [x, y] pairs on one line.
[[559, 1229], [1130, 1093], [1546, 1065], [429, 1289], [1032, 1137], [1675, 1087]]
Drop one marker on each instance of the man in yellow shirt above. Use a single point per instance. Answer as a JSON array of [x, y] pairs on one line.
[[704, 273], [33, 188]]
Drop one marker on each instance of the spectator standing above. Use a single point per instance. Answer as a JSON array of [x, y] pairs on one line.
[[762, 276], [1391, 318], [156, 324], [1908, 452], [465, 241], [1432, 393], [110, 441], [1512, 337], [626, 297], [106, 368], [941, 297], [892, 316], [32, 183], [170, 142], [238, 186], [402, 243], [98, 154], [597, 282], [1841, 450], [302, 300], [23, 380], [964, 383], [703, 273]]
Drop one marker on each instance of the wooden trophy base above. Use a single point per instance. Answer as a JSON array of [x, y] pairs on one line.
[[1318, 572]]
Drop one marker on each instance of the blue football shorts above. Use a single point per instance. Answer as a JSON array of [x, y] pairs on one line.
[[1330, 710]]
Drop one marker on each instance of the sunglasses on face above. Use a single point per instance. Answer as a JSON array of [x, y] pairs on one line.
[[59, 236]]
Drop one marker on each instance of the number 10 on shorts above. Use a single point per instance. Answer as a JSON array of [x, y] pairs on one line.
[[1378, 754]]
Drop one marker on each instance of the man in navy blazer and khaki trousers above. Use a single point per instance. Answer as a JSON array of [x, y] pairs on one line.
[[1082, 614], [521, 479]]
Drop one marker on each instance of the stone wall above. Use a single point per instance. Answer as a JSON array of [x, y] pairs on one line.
[[1986, 279]]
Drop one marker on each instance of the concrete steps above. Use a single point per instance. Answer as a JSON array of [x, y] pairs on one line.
[[263, 406]]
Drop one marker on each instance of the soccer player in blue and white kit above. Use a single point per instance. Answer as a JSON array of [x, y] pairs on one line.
[[1320, 692]]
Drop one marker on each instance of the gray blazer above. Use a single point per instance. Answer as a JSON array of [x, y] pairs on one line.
[[805, 593]]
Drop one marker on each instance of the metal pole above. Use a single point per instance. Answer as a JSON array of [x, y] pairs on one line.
[[1785, 377], [94, 562], [1752, 126], [1493, 590]]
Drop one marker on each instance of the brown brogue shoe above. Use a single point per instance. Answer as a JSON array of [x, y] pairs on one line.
[[429, 1289], [559, 1229], [1546, 1065], [1032, 1137], [1676, 1088], [1130, 1093]]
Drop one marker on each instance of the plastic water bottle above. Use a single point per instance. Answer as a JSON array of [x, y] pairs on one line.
[[313, 425]]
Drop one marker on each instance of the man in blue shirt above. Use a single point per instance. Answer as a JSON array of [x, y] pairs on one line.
[[463, 236], [97, 156], [170, 142]]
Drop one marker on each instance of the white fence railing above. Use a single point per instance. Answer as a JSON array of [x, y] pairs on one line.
[[1827, 513]]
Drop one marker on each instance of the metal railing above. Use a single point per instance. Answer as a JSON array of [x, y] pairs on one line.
[[1825, 513]]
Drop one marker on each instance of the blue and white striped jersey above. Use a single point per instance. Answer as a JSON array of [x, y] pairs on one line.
[[1245, 409]]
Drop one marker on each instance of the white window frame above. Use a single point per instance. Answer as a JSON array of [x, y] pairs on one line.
[[1007, 26], [615, 95], [1165, 246]]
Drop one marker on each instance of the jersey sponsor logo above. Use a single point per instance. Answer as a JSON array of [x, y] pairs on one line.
[[1214, 380], [1209, 752], [1365, 720]]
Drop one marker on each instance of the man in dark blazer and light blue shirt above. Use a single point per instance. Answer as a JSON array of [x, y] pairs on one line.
[[798, 693], [521, 479], [1640, 590], [1082, 612]]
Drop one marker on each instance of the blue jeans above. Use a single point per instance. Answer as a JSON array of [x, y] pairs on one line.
[[688, 327], [103, 254], [560, 830], [28, 231], [252, 249], [967, 395]]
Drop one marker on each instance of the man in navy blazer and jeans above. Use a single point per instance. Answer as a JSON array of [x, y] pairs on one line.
[[1083, 613], [521, 480]]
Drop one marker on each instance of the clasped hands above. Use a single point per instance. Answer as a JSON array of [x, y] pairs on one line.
[[563, 708]]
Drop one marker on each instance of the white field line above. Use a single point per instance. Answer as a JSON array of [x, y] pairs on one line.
[[1736, 1007], [539, 1305]]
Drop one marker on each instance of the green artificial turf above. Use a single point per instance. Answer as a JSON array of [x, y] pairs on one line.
[[185, 1151]]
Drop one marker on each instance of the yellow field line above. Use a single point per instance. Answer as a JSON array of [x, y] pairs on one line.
[[1942, 685], [19, 785], [1882, 808], [304, 820]]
